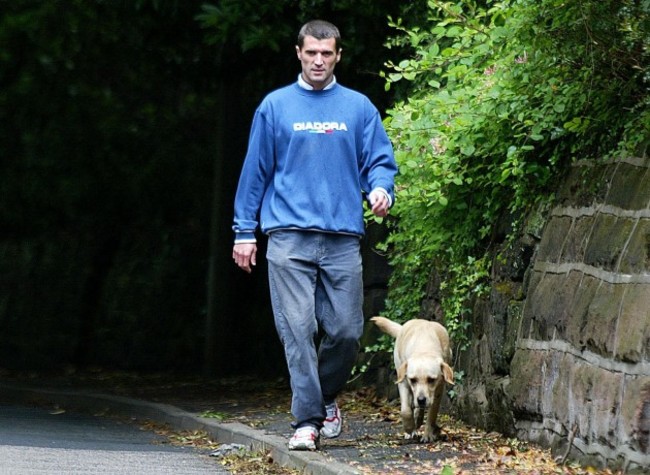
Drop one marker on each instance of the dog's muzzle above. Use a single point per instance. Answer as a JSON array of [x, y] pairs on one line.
[[422, 401]]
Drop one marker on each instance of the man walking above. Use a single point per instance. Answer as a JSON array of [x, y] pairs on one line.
[[316, 149]]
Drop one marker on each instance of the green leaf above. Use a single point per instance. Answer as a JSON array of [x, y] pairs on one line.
[[405, 63], [453, 32], [447, 470], [468, 150], [447, 52], [498, 32], [214, 415]]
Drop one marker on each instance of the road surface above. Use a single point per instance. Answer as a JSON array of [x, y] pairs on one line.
[[47, 442]]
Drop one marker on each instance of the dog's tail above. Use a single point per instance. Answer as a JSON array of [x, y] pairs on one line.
[[387, 326]]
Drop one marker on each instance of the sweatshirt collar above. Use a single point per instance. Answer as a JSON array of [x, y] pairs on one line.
[[305, 85]]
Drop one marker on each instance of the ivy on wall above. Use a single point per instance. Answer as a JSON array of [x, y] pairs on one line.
[[501, 97]]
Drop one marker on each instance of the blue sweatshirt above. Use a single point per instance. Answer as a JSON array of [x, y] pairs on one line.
[[311, 157]]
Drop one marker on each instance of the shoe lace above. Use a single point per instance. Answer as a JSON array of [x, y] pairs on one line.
[[304, 433], [332, 411]]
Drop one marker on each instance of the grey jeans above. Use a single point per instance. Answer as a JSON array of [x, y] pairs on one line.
[[316, 283]]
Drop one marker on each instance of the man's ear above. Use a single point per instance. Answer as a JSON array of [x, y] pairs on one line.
[[298, 51], [401, 372]]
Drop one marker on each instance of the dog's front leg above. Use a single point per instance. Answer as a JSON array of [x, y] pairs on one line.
[[419, 416], [406, 411], [431, 429]]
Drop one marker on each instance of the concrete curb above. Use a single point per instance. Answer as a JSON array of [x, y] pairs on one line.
[[309, 463]]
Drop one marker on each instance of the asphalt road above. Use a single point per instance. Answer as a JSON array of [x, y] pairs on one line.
[[41, 441]]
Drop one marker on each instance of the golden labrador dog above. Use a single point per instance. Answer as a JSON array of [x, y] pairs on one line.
[[422, 359]]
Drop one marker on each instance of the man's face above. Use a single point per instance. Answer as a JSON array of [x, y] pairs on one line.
[[318, 58]]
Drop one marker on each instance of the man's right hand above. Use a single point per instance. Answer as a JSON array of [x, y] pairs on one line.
[[245, 255]]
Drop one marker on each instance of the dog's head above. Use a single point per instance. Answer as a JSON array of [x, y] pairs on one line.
[[424, 374]]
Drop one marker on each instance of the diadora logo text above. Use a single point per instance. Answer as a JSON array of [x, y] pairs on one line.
[[319, 127]]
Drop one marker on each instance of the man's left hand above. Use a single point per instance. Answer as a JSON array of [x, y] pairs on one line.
[[379, 202]]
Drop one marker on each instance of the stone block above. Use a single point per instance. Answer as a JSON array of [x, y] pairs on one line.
[[497, 325], [525, 328], [599, 331], [586, 184], [498, 413], [636, 258], [633, 424], [526, 381], [605, 401], [548, 304], [480, 314], [633, 329], [583, 378], [513, 259], [575, 392], [630, 187], [469, 360], [567, 292], [556, 231], [534, 310], [484, 362], [578, 313], [575, 243], [607, 241], [472, 403], [515, 310], [558, 403]]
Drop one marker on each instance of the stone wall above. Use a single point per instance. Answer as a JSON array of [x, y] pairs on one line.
[[560, 351]]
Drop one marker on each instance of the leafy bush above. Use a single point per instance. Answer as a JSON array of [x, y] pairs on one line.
[[501, 97]]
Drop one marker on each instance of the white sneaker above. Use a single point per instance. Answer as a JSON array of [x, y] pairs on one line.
[[305, 438], [333, 422]]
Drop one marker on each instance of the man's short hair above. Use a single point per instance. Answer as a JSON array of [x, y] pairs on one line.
[[321, 30]]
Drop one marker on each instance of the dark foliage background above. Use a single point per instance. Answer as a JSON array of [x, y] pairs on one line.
[[123, 126]]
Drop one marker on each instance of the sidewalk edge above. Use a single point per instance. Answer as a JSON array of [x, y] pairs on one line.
[[309, 463]]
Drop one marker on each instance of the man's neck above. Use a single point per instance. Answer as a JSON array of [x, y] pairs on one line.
[[305, 85]]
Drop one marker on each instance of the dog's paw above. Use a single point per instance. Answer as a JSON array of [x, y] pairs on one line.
[[431, 434], [426, 438], [411, 435]]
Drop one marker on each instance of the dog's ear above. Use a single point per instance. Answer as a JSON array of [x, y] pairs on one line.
[[401, 372], [447, 372]]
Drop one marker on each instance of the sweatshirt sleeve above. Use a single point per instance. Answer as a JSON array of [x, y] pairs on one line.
[[254, 178], [378, 167]]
